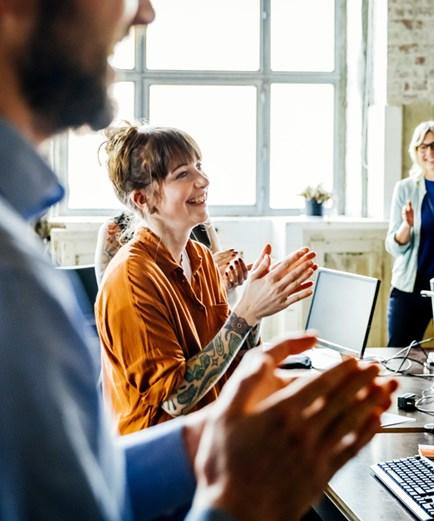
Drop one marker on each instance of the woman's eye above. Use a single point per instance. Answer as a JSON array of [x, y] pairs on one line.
[[182, 174]]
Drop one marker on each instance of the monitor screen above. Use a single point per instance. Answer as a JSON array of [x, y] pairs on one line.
[[341, 310]]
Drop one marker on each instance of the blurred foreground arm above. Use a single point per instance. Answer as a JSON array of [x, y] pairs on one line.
[[283, 443]]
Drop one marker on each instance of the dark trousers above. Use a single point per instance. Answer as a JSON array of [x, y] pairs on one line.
[[408, 316]]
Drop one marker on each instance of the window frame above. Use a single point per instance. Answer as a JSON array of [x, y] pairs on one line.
[[262, 79]]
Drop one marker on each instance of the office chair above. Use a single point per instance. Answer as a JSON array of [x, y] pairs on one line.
[[83, 279], [86, 288]]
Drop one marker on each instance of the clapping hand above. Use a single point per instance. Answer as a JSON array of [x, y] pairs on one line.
[[270, 289], [281, 443], [408, 213]]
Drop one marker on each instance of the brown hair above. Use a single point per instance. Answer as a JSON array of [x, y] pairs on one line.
[[138, 156]]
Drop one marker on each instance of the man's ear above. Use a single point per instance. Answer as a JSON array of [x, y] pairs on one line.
[[138, 198]]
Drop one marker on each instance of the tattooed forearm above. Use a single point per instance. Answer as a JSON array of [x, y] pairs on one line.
[[253, 338], [205, 369], [236, 324], [197, 372]]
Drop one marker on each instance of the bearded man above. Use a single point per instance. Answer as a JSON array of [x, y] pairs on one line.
[[59, 457]]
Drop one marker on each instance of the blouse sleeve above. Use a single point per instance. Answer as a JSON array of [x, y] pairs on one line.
[[136, 330]]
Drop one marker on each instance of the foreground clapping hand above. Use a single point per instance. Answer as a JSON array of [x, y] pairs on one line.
[[269, 448]]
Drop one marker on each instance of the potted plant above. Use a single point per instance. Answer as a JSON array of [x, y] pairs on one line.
[[314, 197]]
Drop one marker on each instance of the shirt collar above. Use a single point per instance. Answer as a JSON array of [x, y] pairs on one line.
[[26, 181], [161, 254]]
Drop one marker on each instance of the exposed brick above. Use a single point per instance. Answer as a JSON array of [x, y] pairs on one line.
[[407, 47], [410, 73], [408, 24]]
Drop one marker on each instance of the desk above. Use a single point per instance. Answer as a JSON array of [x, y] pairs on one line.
[[354, 493], [407, 384]]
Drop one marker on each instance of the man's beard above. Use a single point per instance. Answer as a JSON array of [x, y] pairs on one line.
[[54, 83]]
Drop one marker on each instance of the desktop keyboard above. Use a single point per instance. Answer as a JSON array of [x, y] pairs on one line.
[[411, 480]]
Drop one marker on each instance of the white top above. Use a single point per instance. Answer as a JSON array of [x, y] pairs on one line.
[[186, 265]]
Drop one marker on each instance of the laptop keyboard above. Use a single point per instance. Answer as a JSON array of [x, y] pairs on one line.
[[411, 480]]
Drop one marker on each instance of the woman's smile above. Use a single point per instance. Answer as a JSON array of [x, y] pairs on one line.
[[198, 201]]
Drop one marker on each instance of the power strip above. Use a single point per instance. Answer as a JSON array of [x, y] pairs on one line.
[[430, 360]]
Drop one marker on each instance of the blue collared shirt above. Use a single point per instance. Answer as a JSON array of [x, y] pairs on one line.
[[60, 459]]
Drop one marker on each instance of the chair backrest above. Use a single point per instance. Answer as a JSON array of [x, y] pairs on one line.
[[86, 288], [83, 279]]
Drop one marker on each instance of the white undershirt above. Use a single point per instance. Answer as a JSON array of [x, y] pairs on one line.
[[186, 265]]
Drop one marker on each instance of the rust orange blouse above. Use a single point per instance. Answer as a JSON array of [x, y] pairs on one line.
[[151, 320]]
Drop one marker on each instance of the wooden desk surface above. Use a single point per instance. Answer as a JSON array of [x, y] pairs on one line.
[[408, 384], [358, 495], [354, 492]]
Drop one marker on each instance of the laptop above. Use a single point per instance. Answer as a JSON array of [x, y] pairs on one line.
[[341, 311]]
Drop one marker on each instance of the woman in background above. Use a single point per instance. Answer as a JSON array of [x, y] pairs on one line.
[[410, 239], [167, 333]]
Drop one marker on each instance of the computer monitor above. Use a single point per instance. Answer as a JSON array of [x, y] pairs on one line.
[[341, 310]]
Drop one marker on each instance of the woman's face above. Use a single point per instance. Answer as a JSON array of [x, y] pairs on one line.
[[425, 154], [182, 196]]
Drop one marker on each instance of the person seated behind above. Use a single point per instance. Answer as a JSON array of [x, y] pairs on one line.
[[166, 329], [118, 230]]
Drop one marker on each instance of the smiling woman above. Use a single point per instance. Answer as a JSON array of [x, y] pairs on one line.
[[167, 333], [410, 239]]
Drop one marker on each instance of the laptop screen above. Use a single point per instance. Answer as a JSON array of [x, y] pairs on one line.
[[341, 310]]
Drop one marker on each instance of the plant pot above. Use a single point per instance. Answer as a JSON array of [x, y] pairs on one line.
[[313, 207]]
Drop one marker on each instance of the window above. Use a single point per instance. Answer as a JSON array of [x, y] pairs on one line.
[[258, 83]]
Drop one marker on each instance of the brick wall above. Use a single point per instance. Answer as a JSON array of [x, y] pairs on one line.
[[410, 75]]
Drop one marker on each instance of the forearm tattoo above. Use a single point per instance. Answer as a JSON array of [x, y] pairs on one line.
[[205, 369], [253, 338], [236, 324]]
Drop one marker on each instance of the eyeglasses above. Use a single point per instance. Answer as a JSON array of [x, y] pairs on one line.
[[424, 147]]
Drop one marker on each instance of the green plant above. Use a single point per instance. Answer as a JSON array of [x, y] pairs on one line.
[[316, 193]]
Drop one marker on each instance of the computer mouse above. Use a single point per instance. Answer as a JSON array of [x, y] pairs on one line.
[[296, 362]]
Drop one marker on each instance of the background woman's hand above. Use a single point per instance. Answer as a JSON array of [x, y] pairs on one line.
[[408, 213], [270, 289], [236, 273], [232, 267], [403, 234], [223, 258]]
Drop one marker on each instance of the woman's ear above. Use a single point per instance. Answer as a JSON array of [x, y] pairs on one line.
[[138, 199]]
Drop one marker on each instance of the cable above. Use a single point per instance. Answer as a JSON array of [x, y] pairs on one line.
[[405, 357], [427, 398]]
